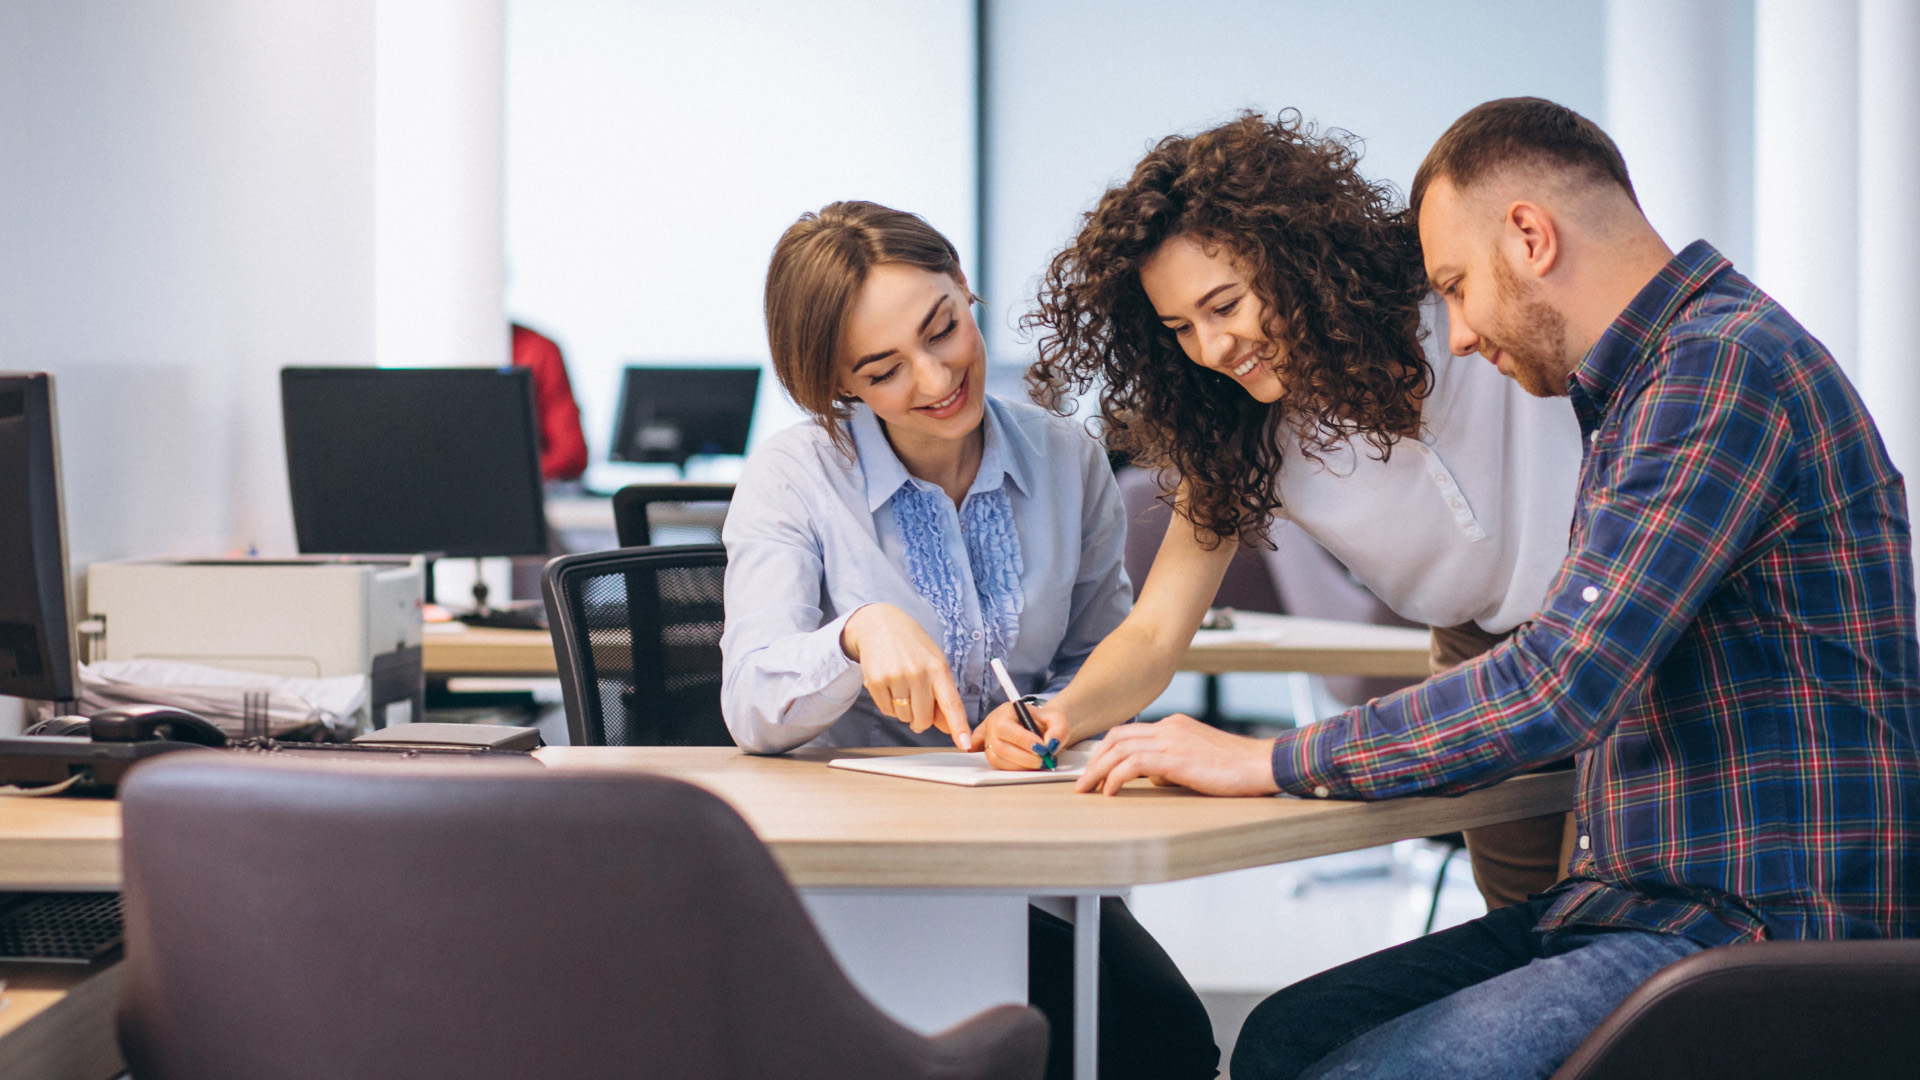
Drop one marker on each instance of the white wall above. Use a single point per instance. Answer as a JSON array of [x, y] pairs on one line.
[[188, 207], [1806, 165], [439, 183], [1078, 92], [656, 150], [1680, 107]]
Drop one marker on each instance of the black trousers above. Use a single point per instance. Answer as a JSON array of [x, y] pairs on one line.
[[1151, 1022]]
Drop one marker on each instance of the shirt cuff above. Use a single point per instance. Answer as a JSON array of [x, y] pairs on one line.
[[1303, 761]]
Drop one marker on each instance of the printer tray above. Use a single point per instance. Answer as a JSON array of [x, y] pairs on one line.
[[38, 760]]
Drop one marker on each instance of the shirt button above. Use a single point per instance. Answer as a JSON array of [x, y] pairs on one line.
[[1589, 594], [1455, 503], [1441, 480], [1321, 792], [1585, 843], [1592, 434], [973, 688], [976, 635]]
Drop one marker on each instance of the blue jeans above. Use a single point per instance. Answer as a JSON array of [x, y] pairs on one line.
[[1488, 999]]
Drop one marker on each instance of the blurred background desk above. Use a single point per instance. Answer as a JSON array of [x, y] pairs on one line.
[[1258, 642]]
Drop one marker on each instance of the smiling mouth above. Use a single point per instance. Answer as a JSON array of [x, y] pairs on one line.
[[1245, 368], [948, 405]]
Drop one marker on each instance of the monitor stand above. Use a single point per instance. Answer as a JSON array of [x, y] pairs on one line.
[[527, 618]]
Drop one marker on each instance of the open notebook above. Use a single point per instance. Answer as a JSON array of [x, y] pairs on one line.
[[967, 770]]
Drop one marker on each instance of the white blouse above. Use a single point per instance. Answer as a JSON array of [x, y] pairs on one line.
[[1470, 522]]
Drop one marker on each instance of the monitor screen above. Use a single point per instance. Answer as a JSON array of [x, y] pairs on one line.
[[36, 638], [674, 413], [403, 460]]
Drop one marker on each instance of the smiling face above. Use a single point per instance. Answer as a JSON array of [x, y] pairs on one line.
[[1220, 321], [913, 354], [1491, 308]]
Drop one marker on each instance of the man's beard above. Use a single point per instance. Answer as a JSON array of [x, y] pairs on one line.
[[1532, 335]]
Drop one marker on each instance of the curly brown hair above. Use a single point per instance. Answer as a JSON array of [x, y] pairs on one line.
[[1336, 263]]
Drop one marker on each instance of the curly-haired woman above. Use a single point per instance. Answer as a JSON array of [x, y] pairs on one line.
[[1257, 318]]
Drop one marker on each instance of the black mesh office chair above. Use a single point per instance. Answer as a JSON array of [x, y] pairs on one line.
[[631, 505], [636, 633]]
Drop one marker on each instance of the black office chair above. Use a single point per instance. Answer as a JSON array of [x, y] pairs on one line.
[[632, 503], [636, 634], [1769, 1011], [1246, 587], [402, 920]]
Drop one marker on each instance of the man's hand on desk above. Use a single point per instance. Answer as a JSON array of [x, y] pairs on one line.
[[1181, 750]]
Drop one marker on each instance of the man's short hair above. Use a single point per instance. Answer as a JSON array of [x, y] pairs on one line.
[[1521, 131]]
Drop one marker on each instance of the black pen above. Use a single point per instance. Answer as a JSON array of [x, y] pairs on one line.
[[1020, 709]]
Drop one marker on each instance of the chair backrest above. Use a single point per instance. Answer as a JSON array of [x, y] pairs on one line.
[[1247, 585], [632, 505], [1769, 1011], [636, 633], [433, 921]]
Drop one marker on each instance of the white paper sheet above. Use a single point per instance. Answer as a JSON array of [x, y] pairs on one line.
[[966, 770]]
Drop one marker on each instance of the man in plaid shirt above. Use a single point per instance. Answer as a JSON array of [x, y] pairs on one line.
[[1729, 649]]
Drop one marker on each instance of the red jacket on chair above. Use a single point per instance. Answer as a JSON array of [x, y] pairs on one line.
[[563, 447]]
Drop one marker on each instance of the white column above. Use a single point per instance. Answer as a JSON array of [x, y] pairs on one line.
[[1668, 109], [188, 206], [1889, 358], [440, 189], [1806, 152]]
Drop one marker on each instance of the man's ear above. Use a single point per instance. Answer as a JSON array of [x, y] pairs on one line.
[[1532, 237]]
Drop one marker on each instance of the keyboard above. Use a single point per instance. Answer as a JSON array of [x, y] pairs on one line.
[[61, 928]]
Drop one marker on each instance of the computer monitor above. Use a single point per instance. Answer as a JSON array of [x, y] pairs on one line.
[[36, 636], [674, 413], [402, 460]]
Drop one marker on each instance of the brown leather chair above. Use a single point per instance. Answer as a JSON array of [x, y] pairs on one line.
[[1773, 1011], [472, 920]]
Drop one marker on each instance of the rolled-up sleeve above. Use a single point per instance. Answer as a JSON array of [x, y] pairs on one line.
[[785, 679]]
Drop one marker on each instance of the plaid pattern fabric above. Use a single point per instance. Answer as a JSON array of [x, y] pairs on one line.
[[1729, 647]]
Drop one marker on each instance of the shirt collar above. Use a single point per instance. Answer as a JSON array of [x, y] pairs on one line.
[[1000, 461], [1632, 337]]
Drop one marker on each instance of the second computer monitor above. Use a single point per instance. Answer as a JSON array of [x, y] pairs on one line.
[[674, 413], [400, 460], [36, 645]]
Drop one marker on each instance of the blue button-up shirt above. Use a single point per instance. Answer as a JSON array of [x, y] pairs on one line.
[[812, 536], [1730, 644]]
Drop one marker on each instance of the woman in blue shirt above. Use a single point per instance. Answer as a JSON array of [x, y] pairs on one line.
[[879, 553]]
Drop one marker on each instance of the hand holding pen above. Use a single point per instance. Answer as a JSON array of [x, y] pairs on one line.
[[1043, 747]]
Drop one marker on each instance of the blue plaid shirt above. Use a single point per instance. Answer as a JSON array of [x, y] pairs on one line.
[[1729, 647]]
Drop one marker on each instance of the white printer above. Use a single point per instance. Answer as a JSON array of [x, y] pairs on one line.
[[315, 616]]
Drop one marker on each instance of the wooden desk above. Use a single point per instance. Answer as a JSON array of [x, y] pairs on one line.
[[56, 1021], [1257, 643], [454, 649], [880, 860], [836, 828]]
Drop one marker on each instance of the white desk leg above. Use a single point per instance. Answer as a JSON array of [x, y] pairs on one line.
[[1086, 987]]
